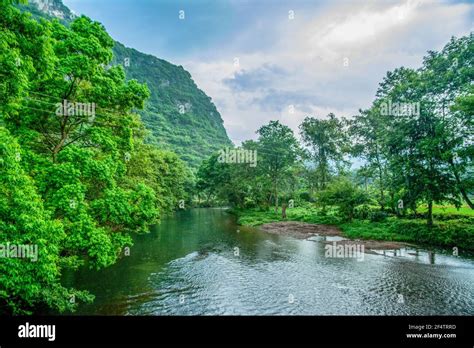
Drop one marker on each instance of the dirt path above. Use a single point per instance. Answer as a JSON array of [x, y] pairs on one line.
[[303, 230]]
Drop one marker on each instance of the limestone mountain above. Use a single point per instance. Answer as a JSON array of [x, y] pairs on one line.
[[179, 115]]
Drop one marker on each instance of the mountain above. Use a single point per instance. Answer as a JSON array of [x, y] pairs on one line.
[[180, 116], [49, 9]]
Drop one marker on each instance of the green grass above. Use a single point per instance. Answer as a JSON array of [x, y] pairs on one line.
[[455, 229], [448, 209], [307, 213], [448, 234]]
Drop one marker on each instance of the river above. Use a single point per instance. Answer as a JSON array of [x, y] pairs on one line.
[[200, 262]]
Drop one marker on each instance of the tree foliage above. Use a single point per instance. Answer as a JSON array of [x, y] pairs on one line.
[[75, 184], [415, 143]]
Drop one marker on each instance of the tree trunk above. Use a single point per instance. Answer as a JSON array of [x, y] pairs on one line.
[[382, 199], [275, 189], [430, 213], [57, 148], [458, 181], [283, 211], [393, 204], [276, 202], [382, 193]]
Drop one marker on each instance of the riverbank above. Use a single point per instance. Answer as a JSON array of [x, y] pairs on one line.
[[303, 230], [449, 230], [200, 262]]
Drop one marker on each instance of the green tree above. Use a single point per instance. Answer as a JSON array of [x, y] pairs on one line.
[[211, 178], [415, 143], [26, 284], [448, 76], [86, 181], [278, 150], [161, 170], [327, 142], [367, 131], [345, 195]]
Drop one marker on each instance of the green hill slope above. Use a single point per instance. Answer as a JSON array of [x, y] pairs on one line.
[[180, 116]]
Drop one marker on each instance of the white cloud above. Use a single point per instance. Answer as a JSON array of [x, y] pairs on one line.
[[308, 56]]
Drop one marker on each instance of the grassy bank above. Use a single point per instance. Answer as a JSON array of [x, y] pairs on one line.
[[452, 228]]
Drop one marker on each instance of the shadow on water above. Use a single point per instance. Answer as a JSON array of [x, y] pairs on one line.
[[201, 262]]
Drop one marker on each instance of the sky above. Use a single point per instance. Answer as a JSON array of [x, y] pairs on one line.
[[262, 60]]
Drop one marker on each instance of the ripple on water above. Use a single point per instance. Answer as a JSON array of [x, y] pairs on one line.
[[190, 267], [305, 283]]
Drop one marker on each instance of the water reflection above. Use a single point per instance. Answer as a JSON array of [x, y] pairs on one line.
[[188, 265]]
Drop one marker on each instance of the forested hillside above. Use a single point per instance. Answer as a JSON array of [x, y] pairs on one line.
[[180, 116]]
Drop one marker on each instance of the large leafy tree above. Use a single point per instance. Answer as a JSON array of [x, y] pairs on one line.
[[86, 181], [367, 132], [78, 160], [29, 283], [448, 76], [327, 142], [415, 143], [162, 171], [212, 176], [278, 151], [425, 157]]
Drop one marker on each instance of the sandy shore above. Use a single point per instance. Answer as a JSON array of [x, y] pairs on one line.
[[303, 230]]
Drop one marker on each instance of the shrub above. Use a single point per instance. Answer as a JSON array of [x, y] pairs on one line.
[[305, 196], [345, 195], [378, 216]]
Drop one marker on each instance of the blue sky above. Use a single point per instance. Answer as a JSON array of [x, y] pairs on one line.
[[154, 26], [268, 59]]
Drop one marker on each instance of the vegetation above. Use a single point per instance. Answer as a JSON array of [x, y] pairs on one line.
[[451, 230], [80, 171], [416, 146], [181, 117], [75, 181]]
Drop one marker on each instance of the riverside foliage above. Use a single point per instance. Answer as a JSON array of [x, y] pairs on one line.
[[411, 161], [77, 186]]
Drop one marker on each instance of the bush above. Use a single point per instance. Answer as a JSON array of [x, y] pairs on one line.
[[345, 195], [305, 196], [362, 212], [378, 216]]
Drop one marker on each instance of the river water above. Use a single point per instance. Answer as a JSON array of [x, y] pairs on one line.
[[200, 262]]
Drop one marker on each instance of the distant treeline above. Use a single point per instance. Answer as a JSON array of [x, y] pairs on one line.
[[416, 143]]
